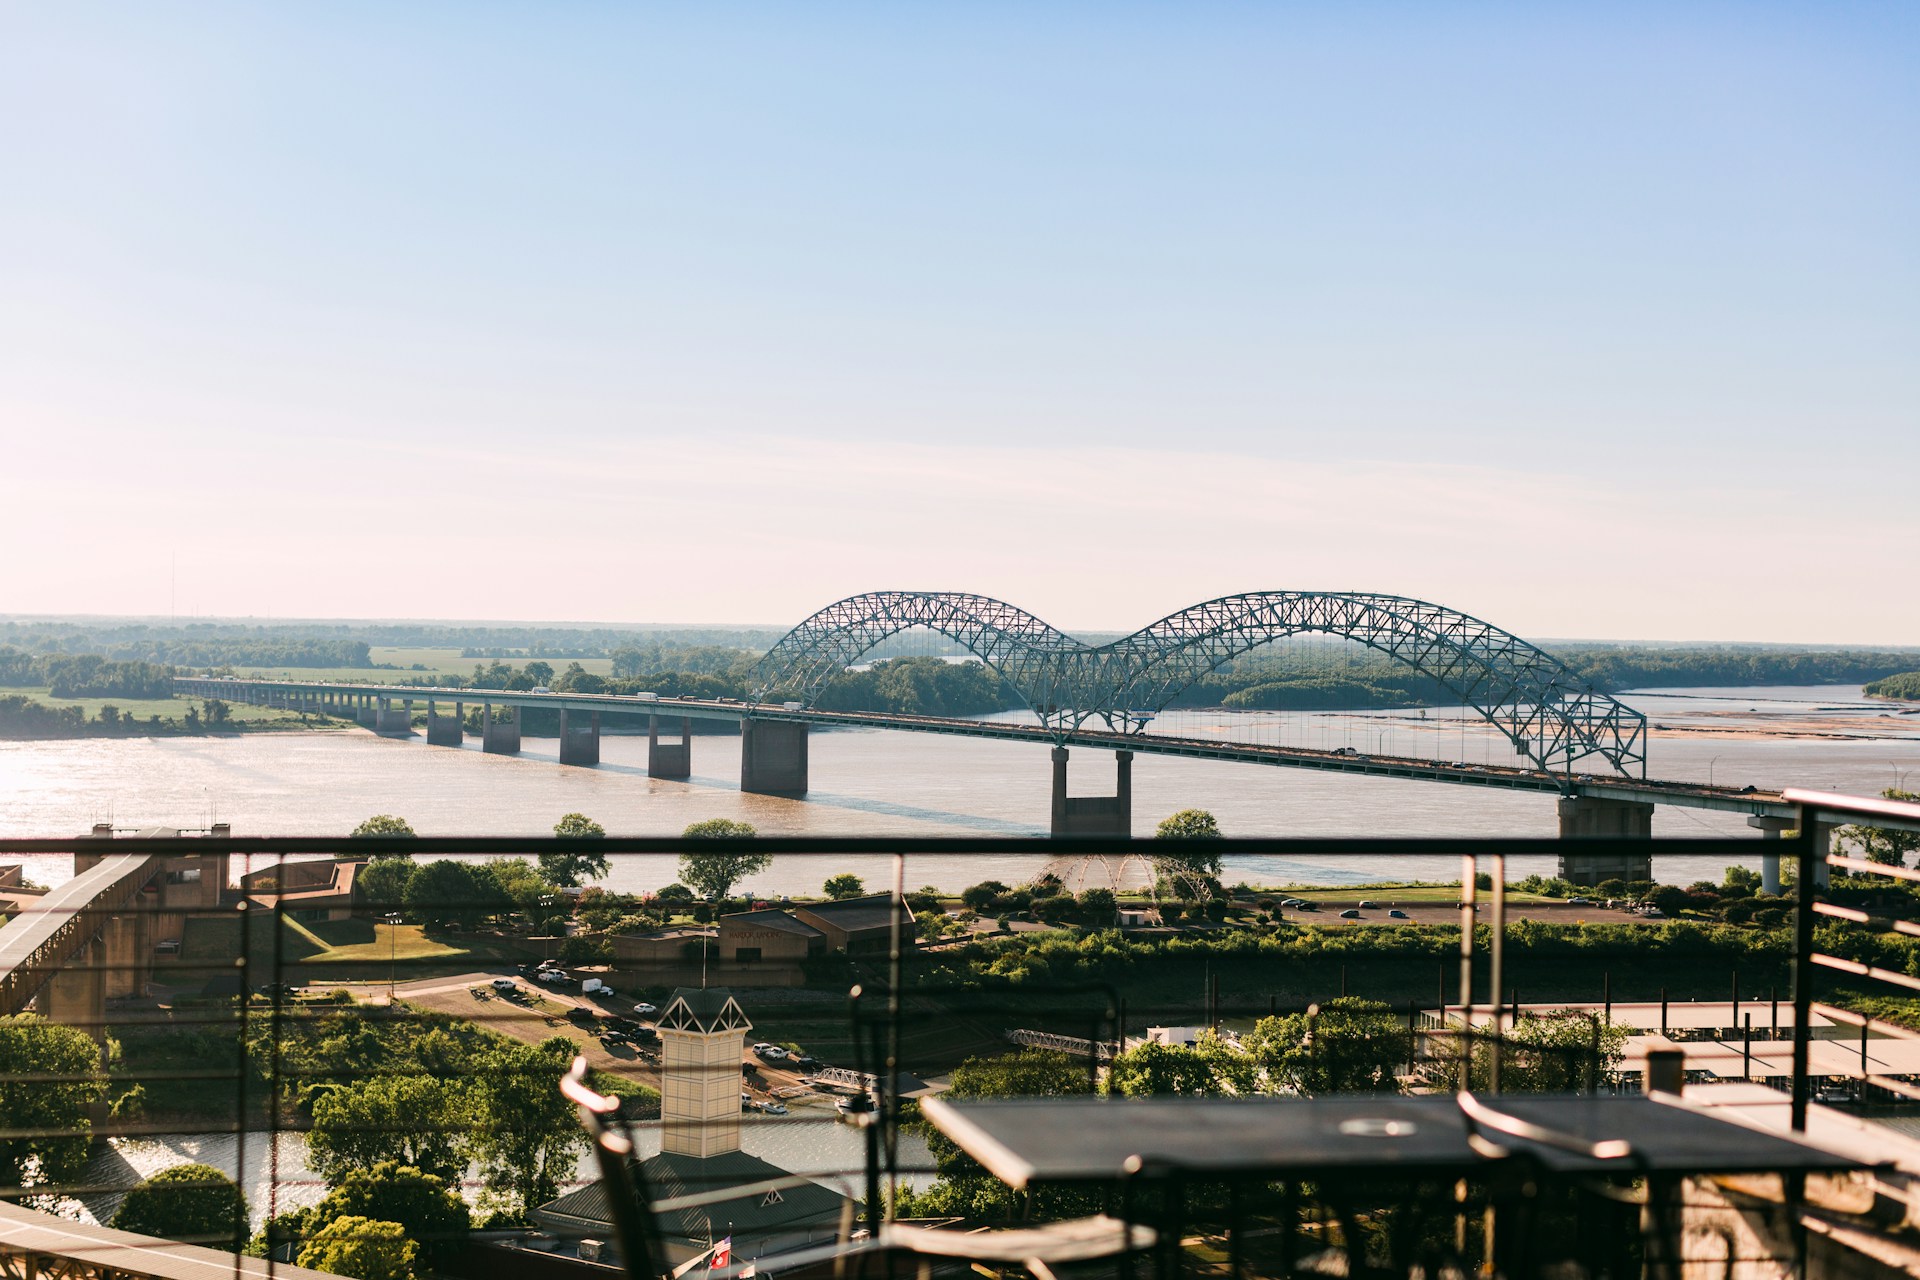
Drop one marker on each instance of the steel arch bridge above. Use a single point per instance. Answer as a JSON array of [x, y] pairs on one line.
[[1551, 716]]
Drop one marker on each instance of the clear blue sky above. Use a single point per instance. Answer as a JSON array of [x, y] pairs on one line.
[[1593, 320]]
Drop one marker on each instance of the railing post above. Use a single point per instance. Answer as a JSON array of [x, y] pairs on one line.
[[1804, 856]]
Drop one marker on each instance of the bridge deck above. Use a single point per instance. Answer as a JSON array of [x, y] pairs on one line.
[[46, 916], [1501, 777], [28, 1240]]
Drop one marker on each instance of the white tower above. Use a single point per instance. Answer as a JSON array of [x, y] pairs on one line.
[[702, 1034]]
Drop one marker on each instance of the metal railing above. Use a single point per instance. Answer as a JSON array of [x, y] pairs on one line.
[[269, 1092]]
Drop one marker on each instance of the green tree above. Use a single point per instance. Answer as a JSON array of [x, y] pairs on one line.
[[1024, 1073], [1210, 1069], [1879, 844], [843, 886], [50, 1079], [412, 1119], [382, 883], [385, 824], [568, 870], [215, 712], [715, 874], [449, 892], [196, 1203], [538, 672], [1192, 824], [525, 1134], [431, 1215], [1348, 1045], [1551, 1052], [365, 1248]]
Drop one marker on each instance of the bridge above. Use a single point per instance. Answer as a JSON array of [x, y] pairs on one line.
[[1583, 746]]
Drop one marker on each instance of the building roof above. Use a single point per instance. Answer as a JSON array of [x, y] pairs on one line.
[[703, 1009], [314, 879], [671, 1176], [875, 911], [772, 918]]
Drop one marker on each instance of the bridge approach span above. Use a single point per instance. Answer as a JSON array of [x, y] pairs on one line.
[[343, 698]]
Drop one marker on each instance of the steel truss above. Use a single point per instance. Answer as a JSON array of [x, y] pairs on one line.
[[1552, 717]]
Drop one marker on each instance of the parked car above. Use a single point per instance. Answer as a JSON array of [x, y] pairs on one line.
[[773, 1108], [804, 1062], [1579, 902], [608, 1039], [1397, 914], [580, 1014], [645, 1010], [746, 1101], [504, 984], [1350, 914], [1293, 902], [771, 1053]]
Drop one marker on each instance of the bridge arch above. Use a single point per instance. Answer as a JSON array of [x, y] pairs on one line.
[[1551, 716]]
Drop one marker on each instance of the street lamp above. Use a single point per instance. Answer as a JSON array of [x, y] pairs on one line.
[[393, 949], [1710, 764]]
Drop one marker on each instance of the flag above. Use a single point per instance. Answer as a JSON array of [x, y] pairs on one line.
[[722, 1254]]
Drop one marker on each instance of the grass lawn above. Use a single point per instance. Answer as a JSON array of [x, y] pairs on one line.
[[166, 708]]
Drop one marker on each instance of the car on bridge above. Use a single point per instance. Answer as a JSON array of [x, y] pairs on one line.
[[1350, 913]]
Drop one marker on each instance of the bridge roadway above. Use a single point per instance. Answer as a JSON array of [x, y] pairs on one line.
[[1766, 805], [43, 940]]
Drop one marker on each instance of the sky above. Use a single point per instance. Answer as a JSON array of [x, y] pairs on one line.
[[1591, 320]]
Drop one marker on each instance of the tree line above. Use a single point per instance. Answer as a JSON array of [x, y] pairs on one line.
[[84, 675], [1904, 685]]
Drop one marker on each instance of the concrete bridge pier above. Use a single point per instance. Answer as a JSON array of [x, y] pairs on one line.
[[580, 746], [1774, 829], [390, 721], [669, 759], [446, 731], [1584, 817], [366, 713], [773, 757], [1094, 815], [499, 737], [76, 996]]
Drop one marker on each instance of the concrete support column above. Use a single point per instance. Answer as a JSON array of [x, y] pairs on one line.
[[365, 711], [1586, 818], [501, 738], [1093, 815], [76, 996], [390, 721], [1770, 829], [128, 943], [668, 759], [773, 757], [445, 731], [580, 746]]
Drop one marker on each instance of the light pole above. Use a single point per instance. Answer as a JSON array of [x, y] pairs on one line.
[[393, 951], [1710, 764]]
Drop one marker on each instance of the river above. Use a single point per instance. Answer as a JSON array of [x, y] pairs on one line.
[[867, 782]]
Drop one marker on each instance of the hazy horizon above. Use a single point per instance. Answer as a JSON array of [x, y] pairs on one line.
[[586, 624]]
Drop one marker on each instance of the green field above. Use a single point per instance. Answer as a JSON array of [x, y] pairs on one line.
[[166, 708], [443, 662]]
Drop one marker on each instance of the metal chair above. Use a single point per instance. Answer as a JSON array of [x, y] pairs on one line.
[[1040, 1249], [634, 1211]]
